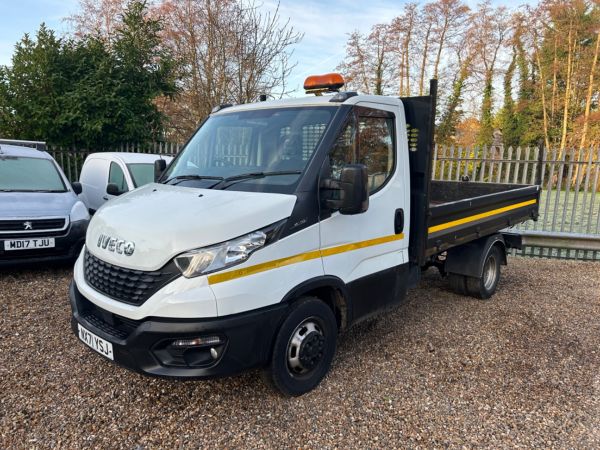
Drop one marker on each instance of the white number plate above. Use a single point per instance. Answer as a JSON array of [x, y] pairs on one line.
[[28, 244], [103, 347]]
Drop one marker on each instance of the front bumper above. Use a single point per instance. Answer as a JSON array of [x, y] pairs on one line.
[[144, 345], [67, 247]]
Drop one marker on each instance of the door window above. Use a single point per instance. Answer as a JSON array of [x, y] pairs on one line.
[[116, 176], [376, 149], [372, 145]]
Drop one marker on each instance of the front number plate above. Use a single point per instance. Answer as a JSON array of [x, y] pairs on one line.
[[103, 347], [28, 244]]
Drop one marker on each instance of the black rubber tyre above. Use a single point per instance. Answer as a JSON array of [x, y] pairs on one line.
[[304, 348], [458, 283], [484, 287]]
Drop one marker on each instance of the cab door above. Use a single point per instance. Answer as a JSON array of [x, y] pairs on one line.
[[369, 251], [116, 175]]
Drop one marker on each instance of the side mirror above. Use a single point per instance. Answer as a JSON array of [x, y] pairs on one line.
[[349, 194], [113, 189], [77, 188], [159, 167]]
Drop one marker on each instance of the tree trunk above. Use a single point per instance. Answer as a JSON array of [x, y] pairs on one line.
[[563, 138], [586, 114], [440, 48], [543, 94], [424, 60], [588, 100]]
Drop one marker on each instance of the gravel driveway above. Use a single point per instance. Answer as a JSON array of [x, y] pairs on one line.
[[442, 370]]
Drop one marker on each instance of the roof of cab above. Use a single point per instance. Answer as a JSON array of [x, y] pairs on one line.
[[129, 158], [23, 152], [311, 100]]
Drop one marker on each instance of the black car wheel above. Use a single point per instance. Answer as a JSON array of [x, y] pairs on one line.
[[304, 347]]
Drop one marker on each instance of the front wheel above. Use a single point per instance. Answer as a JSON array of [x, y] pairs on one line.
[[304, 347], [484, 287]]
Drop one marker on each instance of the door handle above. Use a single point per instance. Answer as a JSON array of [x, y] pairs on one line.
[[105, 197], [399, 221]]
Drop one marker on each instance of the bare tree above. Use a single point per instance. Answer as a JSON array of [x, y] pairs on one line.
[[489, 30], [98, 17], [449, 17], [368, 64], [229, 52], [402, 31]]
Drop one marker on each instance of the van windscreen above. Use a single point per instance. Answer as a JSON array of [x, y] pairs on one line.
[[141, 173], [278, 142], [24, 174]]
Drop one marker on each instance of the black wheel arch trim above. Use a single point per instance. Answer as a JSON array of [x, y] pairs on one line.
[[328, 282]]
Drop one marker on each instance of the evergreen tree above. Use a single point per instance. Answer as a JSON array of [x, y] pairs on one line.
[[88, 92]]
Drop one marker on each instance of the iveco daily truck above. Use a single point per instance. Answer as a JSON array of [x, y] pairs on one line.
[[280, 224]]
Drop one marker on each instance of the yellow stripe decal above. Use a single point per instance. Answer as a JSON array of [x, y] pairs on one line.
[[494, 212], [251, 270]]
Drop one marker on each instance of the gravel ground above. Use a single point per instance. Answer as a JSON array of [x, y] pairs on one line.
[[439, 371]]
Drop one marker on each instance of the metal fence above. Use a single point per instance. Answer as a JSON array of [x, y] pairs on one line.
[[71, 160], [569, 222]]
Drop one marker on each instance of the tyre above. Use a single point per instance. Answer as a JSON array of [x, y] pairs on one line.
[[458, 283], [484, 287], [304, 347]]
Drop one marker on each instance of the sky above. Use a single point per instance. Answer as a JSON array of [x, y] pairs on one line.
[[325, 26]]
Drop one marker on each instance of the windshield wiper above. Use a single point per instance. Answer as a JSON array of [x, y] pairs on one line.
[[226, 182], [180, 178]]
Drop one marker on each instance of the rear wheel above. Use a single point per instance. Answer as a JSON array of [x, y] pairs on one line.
[[484, 287], [304, 347]]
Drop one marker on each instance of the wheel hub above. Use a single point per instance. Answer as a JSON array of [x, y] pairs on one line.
[[305, 349], [489, 272], [311, 350]]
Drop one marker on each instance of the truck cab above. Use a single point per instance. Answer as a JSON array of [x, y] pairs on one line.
[[279, 225]]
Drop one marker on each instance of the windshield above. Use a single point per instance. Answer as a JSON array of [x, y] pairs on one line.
[[141, 173], [271, 146], [22, 174]]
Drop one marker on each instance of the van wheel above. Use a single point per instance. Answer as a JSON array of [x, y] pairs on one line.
[[304, 347], [458, 283], [484, 287]]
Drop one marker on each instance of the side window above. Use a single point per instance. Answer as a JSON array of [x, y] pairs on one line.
[[376, 148], [343, 151], [116, 176]]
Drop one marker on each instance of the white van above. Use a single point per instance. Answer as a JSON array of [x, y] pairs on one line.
[[278, 225], [126, 171]]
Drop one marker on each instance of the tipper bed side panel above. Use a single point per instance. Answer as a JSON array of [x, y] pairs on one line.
[[457, 222]]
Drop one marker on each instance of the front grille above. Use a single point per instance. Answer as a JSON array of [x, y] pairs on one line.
[[32, 225], [126, 285]]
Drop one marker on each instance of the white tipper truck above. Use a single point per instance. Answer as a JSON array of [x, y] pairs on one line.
[[280, 224]]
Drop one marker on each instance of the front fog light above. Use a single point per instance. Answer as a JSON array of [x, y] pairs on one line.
[[198, 342]]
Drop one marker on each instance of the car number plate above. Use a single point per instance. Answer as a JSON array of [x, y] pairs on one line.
[[28, 244], [103, 347]]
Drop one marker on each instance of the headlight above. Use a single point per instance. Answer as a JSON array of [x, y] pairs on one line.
[[210, 259], [79, 212]]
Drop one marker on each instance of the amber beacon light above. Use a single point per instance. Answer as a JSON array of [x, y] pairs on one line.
[[317, 84]]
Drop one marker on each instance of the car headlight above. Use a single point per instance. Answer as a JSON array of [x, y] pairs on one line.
[[217, 257], [79, 212]]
